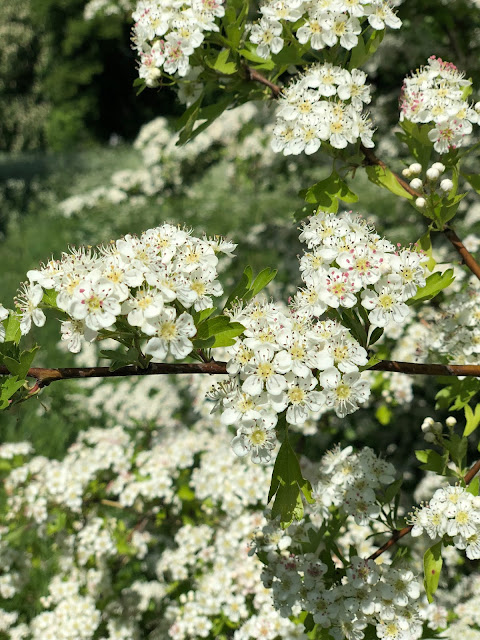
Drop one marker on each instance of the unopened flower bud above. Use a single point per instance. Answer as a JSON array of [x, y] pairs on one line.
[[477, 107], [426, 427], [437, 427], [429, 437], [420, 202], [416, 183], [451, 421], [415, 168], [432, 174], [406, 173], [438, 166], [446, 185]]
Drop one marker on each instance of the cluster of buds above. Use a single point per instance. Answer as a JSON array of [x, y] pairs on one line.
[[428, 184]]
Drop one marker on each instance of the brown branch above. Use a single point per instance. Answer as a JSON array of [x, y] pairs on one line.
[[257, 77], [400, 533], [466, 256], [46, 376]]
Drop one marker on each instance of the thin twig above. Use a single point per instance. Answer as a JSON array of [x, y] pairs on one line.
[[467, 257], [400, 533], [258, 77]]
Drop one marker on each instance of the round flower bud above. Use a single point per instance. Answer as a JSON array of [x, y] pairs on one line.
[[432, 174], [420, 202], [446, 185], [406, 173], [477, 107], [416, 183], [415, 168], [437, 427], [426, 427], [438, 166], [429, 437], [451, 421]]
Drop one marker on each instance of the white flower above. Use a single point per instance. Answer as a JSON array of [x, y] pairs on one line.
[[256, 437], [30, 296], [344, 394], [266, 35], [384, 304], [96, 303], [170, 334], [264, 372], [3, 316]]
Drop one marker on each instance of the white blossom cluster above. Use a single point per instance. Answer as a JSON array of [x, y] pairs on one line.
[[347, 258], [435, 94], [106, 8], [136, 279], [221, 580], [167, 32], [321, 24], [349, 480], [368, 593], [453, 331], [324, 105], [454, 512]]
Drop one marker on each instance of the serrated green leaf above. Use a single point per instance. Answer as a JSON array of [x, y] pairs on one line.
[[432, 460], [455, 395], [474, 486], [219, 62], [457, 447], [432, 567], [260, 63], [200, 316], [286, 485], [12, 329], [326, 193], [50, 298], [305, 212], [8, 388], [435, 283], [472, 419], [383, 177]]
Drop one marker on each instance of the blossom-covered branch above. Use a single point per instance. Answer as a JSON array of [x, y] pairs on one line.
[[401, 533], [45, 376]]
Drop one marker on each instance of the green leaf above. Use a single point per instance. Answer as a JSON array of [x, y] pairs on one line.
[[208, 115], [457, 447], [20, 367], [200, 316], [450, 207], [425, 244], [473, 179], [261, 281], [383, 177], [305, 212], [8, 388], [12, 329], [416, 138], [432, 567], [286, 485], [260, 63], [364, 50], [241, 287], [474, 486], [435, 283], [326, 193], [50, 298], [455, 395], [432, 460], [217, 332], [392, 490], [219, 62], [472, 419]]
